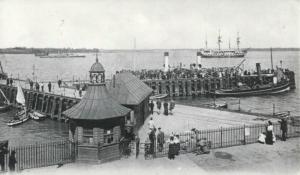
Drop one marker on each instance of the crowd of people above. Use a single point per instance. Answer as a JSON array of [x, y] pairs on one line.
[[178, 73]]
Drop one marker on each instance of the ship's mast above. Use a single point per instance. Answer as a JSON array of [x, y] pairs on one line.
[[219, 41], [238, 41], [134, 51], [271, 60], [229, 43], [206, 42]]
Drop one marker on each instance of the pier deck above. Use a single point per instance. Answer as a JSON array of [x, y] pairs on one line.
[[49, 103]]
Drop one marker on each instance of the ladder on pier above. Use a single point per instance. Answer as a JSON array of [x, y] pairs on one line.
[[30, 100]]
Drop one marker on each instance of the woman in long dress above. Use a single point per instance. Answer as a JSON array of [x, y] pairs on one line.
[[269, 135]]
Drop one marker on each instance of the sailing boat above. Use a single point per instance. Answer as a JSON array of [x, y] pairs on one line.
[[21, 116], [5, 105]]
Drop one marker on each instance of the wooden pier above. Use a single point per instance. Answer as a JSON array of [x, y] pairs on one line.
[[202, 86], [50, 104]]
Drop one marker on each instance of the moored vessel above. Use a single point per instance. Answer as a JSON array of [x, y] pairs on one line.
[[22, 115], [37, 116], [64, 55], [279, 83], [223, 53]]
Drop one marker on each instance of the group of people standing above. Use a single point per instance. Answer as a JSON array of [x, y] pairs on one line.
[[167, 107], [37, 86], [12, 157], [9, 81], [269, 136], [174, 141]]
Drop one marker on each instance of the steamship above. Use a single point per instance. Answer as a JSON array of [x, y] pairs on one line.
[[225, 53], [278, 82]]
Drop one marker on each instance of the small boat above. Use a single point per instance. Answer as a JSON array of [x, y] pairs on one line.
[[158, 96], [21, 116], [37, 116], [217, 105], [18, 119]]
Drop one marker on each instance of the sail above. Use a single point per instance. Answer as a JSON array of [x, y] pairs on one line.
[[20, 96]]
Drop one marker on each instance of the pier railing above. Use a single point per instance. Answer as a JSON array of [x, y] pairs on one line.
[[42, 154], [217, 138]]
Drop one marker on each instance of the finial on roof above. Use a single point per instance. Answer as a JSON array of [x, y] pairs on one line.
[[97, 58]]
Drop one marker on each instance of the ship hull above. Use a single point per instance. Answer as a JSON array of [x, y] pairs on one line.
[[222, 56], [74, 56], [253, 92]]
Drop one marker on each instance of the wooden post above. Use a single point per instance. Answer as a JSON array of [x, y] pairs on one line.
[[60, 108], [163, 87], [189, 87], [196, 86], [244, 134], [53, 108], [171, 88], [221, 82], [202, 86], [43, 103], [36, 101], [183, 83], [156, 91], [47, 104], [221, 137], [176, 88]]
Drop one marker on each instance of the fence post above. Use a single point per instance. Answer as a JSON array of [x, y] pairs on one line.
[[239, 104], [244, 134], [36, 151], [221, 137]]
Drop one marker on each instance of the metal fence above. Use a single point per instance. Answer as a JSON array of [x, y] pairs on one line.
[[42, 154], [218, 138]]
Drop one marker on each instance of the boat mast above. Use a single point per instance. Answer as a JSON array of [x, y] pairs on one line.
[[271, 60], [229, 43], [134, 50], [33, 71], [238, 41], [206, 41], [219, 41]]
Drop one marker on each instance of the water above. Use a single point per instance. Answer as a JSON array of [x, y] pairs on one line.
[[51, 69]]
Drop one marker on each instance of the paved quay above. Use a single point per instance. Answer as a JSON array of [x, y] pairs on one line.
[[185, 118], [280, 158]]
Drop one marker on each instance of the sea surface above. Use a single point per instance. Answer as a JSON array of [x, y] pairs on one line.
[[46, 69]]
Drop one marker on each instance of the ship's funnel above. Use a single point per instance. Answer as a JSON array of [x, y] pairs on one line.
[[198, 60], [258, 69], [166, 54]]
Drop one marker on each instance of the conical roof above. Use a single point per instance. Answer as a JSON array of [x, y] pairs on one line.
[[97, 67], [97, 104]]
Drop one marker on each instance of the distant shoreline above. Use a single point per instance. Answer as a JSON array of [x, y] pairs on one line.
[[24, 50]]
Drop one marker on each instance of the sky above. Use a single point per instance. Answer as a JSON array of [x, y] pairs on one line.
[[154, 24]]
